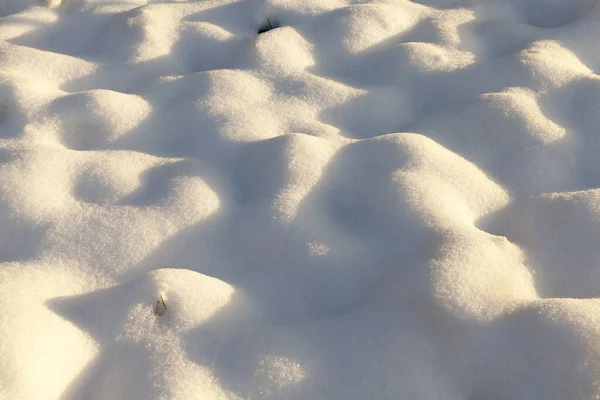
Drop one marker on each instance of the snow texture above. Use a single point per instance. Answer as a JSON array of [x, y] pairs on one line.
[[375, 199]]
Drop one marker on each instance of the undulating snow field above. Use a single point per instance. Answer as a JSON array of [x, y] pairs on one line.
[[385, 199]]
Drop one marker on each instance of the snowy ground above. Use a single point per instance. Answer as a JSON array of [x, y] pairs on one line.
[[374, 200]]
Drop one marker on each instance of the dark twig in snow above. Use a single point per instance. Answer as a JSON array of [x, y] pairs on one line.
[[158, 310], [268, 26]]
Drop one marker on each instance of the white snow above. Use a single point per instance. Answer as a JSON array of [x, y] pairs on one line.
[[376, 199]]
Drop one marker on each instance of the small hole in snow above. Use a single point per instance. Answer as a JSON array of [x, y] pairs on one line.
[[268, 25]]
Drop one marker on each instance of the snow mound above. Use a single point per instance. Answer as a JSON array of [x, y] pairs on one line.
[[299, 199]]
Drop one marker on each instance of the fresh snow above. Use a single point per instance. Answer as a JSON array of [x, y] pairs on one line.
[[376, 199]]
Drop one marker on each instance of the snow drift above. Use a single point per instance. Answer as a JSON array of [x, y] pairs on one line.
[[372, 200]]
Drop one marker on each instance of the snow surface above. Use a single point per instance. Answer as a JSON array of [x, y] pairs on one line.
[[374, 200]]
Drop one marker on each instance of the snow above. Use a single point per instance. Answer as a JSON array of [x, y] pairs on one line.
[[376, 199]]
